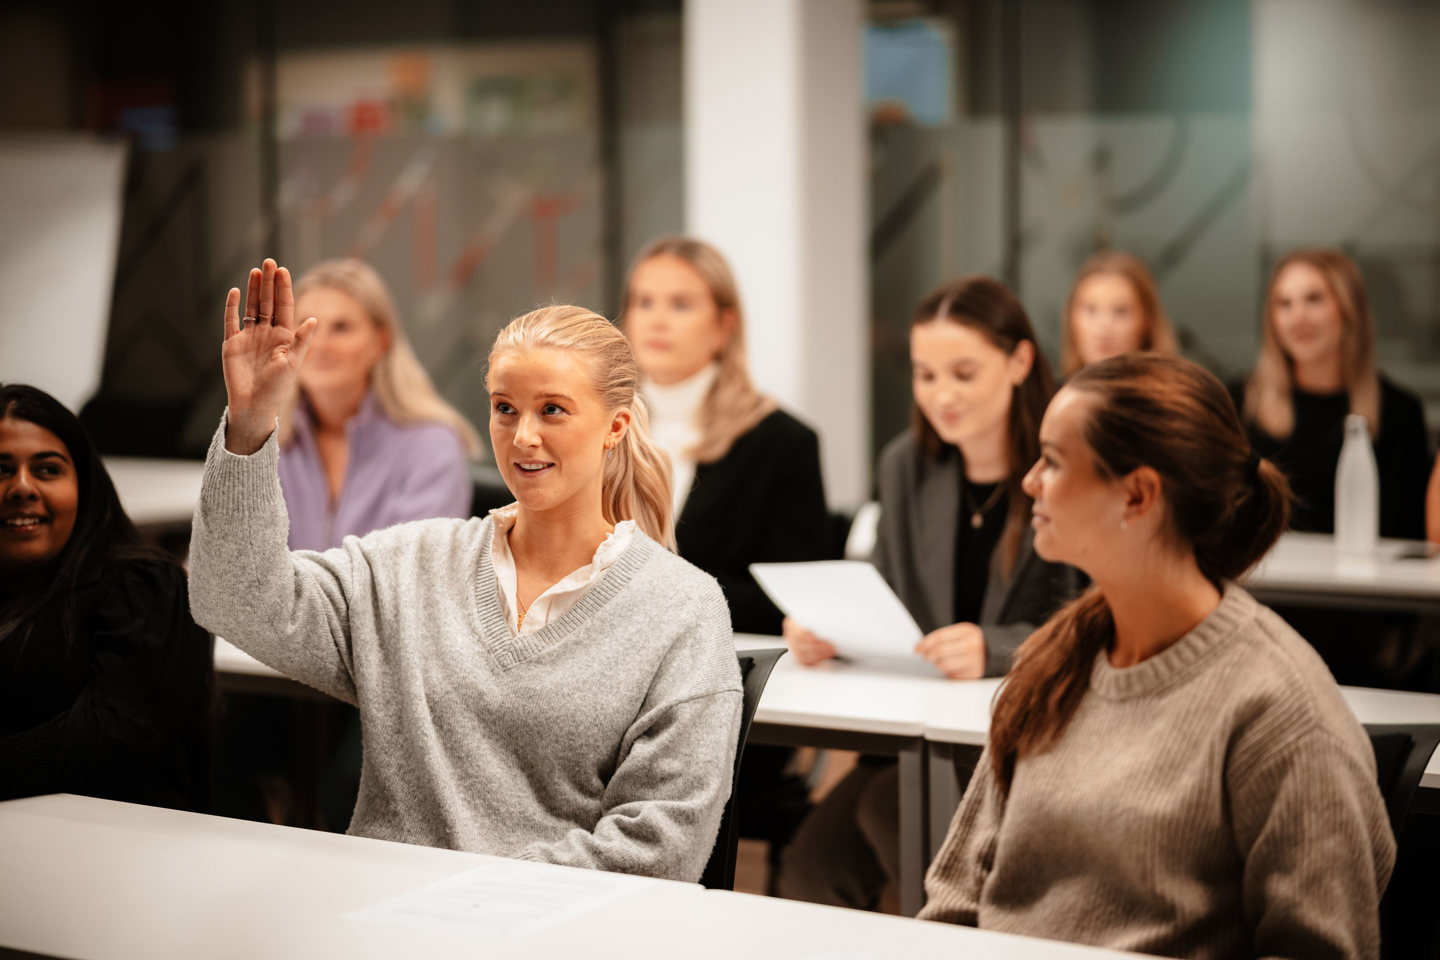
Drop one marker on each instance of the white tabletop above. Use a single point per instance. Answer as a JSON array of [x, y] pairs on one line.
[[157, 492], [99, 880], [856, 698], [1308, 564]]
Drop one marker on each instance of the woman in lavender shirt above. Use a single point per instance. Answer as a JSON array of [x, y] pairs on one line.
[[366, 442]]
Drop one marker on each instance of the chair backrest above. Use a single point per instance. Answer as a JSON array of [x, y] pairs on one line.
[[1407, 919], [1402, 752], [755, 667]]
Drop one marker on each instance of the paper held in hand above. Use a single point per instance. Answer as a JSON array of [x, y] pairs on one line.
[[846, 602]]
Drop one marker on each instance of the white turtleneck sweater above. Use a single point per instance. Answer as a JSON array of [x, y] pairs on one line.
[[675, 425]]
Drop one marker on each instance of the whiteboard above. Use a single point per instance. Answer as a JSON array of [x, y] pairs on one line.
[[60, 204]]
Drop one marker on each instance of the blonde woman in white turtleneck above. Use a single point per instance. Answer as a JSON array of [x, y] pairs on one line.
[[747, 484]]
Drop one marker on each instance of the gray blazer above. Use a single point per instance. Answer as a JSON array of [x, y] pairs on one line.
[[915, 553]]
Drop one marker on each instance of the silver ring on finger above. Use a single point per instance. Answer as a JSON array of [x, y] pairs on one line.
[[243, 319]]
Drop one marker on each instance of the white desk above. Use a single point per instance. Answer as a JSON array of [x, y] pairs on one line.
[[852, 707], [1305, 568], [97, 880], [157, 493]]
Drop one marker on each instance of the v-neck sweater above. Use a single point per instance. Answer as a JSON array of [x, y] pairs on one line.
[[605, 739], [1217, 799]]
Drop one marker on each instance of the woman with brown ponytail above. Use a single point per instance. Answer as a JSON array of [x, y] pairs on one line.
[[549, 682], [1171, 769]]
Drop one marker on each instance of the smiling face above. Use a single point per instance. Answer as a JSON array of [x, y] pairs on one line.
[[1307, 317], [963, 383], [346, 345], [550, 429], [1106, 318], [672, 320], [1077, 511], [39, 496]]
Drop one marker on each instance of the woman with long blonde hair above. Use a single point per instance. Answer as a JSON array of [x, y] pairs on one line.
[[365, 439], [1316, 366], [746, 474], [1113, 308], [747, 485], [548, 682]]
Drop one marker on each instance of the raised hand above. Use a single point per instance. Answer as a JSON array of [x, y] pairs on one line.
[[261, 355]]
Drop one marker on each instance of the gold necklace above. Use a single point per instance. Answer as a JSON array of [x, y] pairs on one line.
[[977, 512]]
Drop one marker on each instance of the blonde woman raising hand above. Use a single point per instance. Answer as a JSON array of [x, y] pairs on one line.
[[549, 682]]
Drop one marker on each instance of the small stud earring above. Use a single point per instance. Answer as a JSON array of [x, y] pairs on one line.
[[1124, 525]]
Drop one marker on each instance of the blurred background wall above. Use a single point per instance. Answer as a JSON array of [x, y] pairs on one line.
[[490, 157]]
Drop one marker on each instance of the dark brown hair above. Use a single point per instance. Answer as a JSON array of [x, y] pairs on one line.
[[102, 531], [987, 307], [1171, 415]]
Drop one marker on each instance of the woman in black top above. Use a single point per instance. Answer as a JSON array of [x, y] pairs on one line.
[[954, 542], [746, 474], [104, 678], [1316, 366]]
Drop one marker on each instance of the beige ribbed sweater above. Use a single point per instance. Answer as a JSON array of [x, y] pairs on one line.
[[1217, 800]]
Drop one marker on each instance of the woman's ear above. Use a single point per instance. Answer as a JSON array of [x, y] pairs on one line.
[[1020, 362], [728, 321], [619, 426], [1143, 492]]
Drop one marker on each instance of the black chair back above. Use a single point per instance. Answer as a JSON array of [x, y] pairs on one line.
[[1407, 917], [755, 667]]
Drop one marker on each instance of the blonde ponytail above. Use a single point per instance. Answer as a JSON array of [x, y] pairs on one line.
[[636, 482]]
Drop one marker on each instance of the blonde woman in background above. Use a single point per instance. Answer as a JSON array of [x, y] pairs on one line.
[[365, 440], [1317, 365], [548, 682], [1113, 308], [747, 486]]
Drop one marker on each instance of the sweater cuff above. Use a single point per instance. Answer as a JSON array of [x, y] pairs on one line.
[[232, 479]]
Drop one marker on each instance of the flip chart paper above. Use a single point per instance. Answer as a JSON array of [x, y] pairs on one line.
[[502, 899], [846, 602]]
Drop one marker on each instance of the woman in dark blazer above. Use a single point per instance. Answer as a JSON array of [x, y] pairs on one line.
[[955, 544], [746, 474]]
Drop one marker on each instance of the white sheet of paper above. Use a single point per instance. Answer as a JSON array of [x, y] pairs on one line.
[[846, 602], [502, 899]]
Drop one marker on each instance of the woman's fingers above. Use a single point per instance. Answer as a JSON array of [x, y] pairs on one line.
[[232, 312], [303, 333], [267, 292], [252, 293], [284, 299]]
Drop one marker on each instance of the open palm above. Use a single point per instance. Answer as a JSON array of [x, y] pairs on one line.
[[261, 356]]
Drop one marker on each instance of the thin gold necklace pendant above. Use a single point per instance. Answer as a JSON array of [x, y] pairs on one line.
[[977, 520]]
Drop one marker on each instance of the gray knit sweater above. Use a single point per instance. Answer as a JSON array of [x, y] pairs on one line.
[[1216, 800], [604, 740]]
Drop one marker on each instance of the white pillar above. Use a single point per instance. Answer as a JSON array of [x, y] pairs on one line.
[[775, 154]]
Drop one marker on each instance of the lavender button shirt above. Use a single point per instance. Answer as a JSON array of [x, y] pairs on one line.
[[397, 472]]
